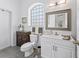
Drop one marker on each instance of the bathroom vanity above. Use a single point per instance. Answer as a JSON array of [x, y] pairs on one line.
[[54, 46]]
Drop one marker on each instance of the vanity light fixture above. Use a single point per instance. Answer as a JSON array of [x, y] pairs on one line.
[[56, 2], [61, 2], [51, 3]]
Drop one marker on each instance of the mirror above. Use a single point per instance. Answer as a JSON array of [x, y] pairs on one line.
[[59, 20]]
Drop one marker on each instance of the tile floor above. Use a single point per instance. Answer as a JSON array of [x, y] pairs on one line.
[[14, 52]]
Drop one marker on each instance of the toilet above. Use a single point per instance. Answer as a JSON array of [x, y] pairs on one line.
[[27, 48]]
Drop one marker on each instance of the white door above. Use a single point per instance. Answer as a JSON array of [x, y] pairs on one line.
[[62, 52], [4, 29]]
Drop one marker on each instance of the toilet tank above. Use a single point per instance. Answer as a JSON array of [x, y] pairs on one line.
[[33, 38]]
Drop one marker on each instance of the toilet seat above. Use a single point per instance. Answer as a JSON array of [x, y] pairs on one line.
[[26, 46]]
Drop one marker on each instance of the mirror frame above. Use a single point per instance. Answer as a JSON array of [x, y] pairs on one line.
[[68, 11]]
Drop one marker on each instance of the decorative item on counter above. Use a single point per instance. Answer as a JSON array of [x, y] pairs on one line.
[[36, 31], [33, 30], [66, 37], [21, 27], [40, 30], [76, 42]]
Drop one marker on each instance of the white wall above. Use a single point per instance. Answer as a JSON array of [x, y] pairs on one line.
[[74, 21], [78, 19], [14, 7], [78, 27], [70, 4], [25, 6]]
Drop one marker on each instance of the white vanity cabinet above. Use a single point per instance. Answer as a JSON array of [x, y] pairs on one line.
[[56, 48]]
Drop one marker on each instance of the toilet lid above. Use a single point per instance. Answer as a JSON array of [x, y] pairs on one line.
[[26, 45]]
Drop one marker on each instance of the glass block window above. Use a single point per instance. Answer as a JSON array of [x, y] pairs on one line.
[[37, 16]]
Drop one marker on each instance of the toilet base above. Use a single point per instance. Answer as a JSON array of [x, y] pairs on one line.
[[28, 53]]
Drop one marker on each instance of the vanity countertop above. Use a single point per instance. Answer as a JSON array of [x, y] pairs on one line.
[[52, 36], [57, 37]]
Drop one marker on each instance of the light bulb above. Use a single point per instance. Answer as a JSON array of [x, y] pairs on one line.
[[51, 4], [61, 2]]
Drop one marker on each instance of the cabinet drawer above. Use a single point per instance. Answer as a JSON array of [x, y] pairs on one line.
[[64, 43]]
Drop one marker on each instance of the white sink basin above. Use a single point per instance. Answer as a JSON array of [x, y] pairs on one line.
[[53, 36]]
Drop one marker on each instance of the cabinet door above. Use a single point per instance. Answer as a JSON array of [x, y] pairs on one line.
[[46, 41], [62, 52], [46, 47], [46, 51]]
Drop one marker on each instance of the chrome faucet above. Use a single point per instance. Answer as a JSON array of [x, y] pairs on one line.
[[56, 33]]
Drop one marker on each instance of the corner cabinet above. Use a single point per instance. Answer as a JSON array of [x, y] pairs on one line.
[[56, 48]]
